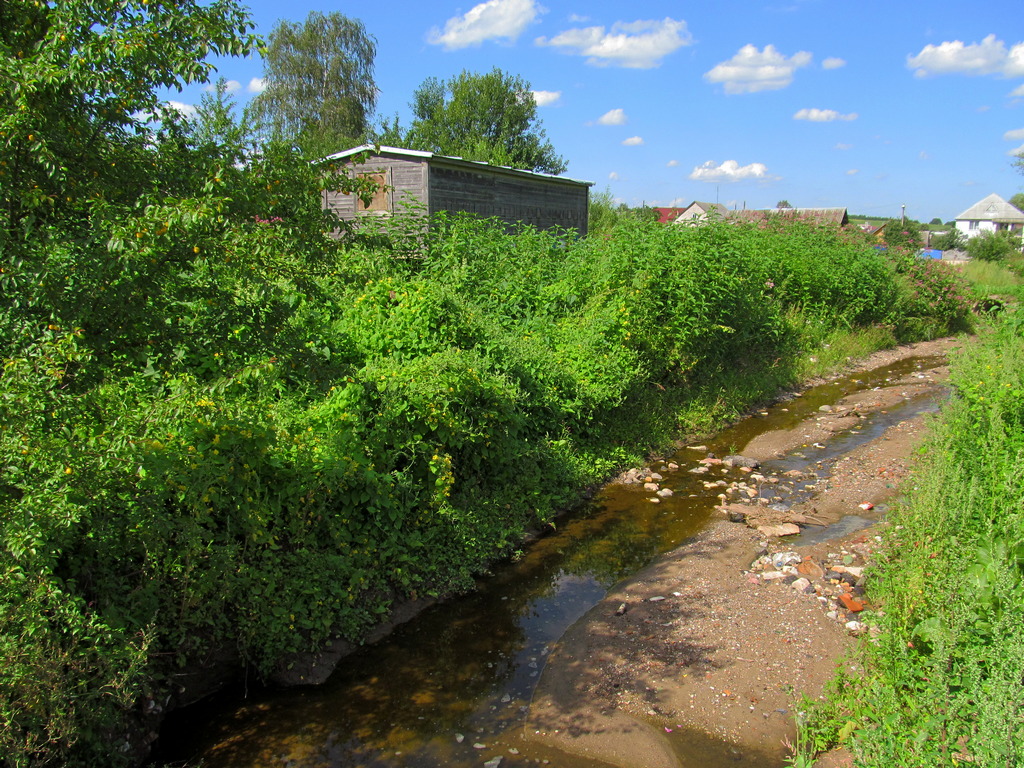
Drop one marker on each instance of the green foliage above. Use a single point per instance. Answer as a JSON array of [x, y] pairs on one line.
[[320, 91], [935, 300], [604, 214], [994, 246], [489, 117], [903, 235], [1017, 201], [942, 684], [77, 77], [951, 240]]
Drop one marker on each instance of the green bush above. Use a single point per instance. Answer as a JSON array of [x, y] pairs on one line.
[[994, 246]]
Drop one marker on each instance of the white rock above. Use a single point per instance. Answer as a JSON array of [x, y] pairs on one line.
[[801, 585]]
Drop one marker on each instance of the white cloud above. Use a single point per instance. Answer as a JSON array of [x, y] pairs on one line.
[[730, 170], [1015, 135], [230, 85], [924, 155], [671, 163], [751, 70], [853, 172], [822, 115], [186, 110], [492, 20], [547, 98], [613, 175], [844, 146], [832, 62], [633, 141], [1016, 152], [1018, 92], [989, 57], [613, 117], [637, 44], [257, 85]]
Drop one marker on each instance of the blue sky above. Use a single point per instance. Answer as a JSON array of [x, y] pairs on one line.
[[868, 105]]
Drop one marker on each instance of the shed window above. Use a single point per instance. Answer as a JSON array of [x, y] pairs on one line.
[[381, 201], [973, 225]]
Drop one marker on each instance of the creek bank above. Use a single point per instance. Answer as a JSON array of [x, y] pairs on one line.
[[705, 655], [745, 556]]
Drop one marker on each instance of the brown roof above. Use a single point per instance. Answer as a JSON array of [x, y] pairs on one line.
[[834, 216], [666, 215]]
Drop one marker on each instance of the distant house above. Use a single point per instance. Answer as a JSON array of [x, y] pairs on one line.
[[431, 183], [992, 214], [697, 212]]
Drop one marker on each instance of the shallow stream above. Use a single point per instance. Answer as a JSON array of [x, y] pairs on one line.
[[462, 673]]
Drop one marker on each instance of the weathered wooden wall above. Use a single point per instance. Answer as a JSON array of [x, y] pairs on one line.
[[408, 177], [538, 201], [434, 184]]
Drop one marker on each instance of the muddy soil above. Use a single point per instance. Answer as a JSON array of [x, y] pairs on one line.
[[697, 659]]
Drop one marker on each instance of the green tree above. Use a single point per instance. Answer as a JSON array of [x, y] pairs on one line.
[[1017, 201], [219, 124], [783, 204], [320, 92], [79, 81], [490, 117]]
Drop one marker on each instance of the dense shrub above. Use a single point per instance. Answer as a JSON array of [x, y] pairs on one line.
[[994, 246]]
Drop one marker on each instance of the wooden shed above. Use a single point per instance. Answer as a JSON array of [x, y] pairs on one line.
[[432, 183]]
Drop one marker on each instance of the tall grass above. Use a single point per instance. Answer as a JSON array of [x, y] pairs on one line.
[[991, 278], [943, 683]]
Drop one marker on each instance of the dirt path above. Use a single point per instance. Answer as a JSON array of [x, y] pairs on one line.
[[702, 659]]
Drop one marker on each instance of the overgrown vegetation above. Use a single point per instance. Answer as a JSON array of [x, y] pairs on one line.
[[942, 685], [223, 427]]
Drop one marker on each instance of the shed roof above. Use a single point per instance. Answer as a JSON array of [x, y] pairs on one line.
[[992, 208], [433, 157]]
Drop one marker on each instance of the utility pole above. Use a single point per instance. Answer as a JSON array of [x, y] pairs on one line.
[[903, 214]]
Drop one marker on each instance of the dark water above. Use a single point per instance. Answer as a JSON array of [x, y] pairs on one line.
[[462, 674]]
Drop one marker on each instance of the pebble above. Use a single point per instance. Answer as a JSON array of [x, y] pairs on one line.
[[802, 585]]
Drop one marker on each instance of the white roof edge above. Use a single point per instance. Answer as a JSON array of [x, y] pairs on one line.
[[424, 154], [1006, 212]]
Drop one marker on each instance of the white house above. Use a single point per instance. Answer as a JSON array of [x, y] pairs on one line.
[[993, 214], [698, 212]]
